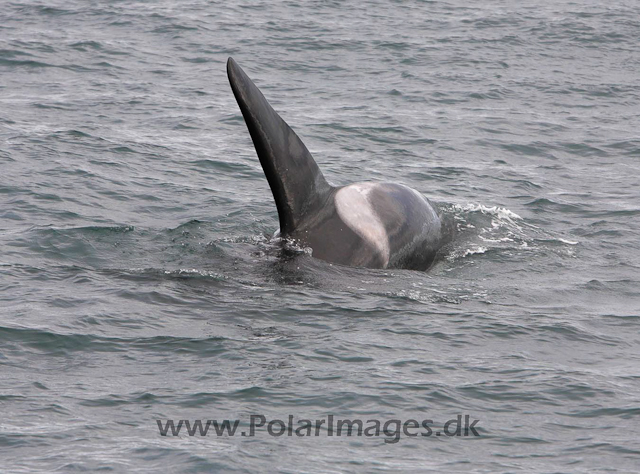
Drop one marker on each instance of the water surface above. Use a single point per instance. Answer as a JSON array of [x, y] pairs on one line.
[[138, 281]]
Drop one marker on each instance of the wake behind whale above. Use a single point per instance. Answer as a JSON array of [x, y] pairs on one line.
[[373, 225]]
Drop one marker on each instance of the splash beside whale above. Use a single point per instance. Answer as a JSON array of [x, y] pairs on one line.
[[373, 225]]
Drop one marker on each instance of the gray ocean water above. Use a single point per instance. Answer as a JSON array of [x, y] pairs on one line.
[[138, 281]]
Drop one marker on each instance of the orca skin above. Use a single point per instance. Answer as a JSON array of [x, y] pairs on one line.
[[373, 225]]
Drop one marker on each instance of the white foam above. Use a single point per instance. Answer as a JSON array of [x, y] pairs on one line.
[[477, 250], [462, 253], [500, 212]]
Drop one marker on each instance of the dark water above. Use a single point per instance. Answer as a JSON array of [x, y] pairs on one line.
[[138, 282]]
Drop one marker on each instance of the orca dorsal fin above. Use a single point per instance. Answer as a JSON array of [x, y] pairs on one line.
[[296, 182]]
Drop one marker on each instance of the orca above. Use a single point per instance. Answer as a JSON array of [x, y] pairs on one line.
[[369, 224]]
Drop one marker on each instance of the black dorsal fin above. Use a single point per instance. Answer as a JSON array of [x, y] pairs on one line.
[[297, 184]]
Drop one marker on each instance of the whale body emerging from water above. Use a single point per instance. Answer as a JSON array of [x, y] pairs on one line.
[[373, 225]]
